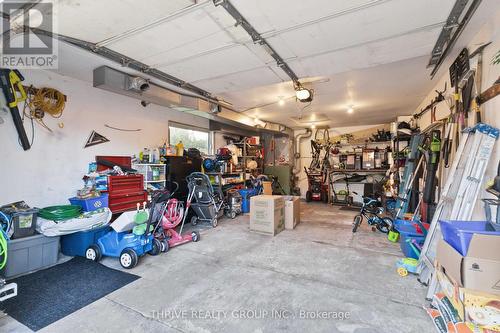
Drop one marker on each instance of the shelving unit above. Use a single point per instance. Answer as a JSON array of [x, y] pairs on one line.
[[154, 175], [245, 157]]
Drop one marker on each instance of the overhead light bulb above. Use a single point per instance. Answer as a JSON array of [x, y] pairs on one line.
[[281, 101], [313, 126], [350, 109], [303, 94]]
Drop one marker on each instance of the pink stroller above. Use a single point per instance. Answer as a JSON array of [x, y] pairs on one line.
[[172, 214]]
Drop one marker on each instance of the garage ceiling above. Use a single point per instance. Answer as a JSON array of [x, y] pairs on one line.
[[367, 53]]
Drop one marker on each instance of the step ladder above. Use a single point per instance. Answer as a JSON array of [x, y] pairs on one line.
[[459, 195]]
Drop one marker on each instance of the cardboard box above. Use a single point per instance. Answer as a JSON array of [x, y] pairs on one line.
[[476, 307], [292, 211], [267, 214], [479, 269]]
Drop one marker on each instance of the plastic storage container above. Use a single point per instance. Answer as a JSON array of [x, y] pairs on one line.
[[410, 227], [30, 254], [459, 233], [23, 218], [90, 204], [76, 244], [405, 241]]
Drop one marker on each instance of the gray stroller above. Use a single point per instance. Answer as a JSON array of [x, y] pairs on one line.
[[208, 203]]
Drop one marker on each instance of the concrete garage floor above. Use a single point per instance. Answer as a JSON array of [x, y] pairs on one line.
[[233, 273]]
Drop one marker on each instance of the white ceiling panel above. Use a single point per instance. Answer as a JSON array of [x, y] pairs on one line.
[[96, 20]]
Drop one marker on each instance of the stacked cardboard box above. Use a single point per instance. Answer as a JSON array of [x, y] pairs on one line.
[[471, 283]]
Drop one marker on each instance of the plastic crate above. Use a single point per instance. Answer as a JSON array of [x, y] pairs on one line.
[[90, 204], [459, 233], [22, 217], [76, 244], [30, 254]]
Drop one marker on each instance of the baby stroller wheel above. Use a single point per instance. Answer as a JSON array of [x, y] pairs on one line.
[[214, 223], [128, 258], [156, 250], [93, 253], [164, 245], [195, 236], [194, 220]]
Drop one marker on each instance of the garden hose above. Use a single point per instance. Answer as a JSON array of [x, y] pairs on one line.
[[3, 241], [60, 213]]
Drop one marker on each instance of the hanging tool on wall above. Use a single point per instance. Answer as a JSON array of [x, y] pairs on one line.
[[432, 105], [475, 103], [431, 152], [10, 83]]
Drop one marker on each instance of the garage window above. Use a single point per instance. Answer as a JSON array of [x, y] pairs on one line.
[[191, 137]]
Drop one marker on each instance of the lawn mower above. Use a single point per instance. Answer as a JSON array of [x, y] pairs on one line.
[[129, 245], [317, 189], [169, 212]]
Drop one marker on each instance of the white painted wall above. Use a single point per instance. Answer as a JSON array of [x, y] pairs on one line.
[[489, 32], [51, 171]]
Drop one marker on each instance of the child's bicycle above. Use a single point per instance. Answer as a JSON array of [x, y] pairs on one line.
[[371, 211]]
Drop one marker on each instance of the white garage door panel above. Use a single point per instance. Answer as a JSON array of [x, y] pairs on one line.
[[189, 28], [370, 25], [96, 20], [240, 81], [216, 64], [266, 15]]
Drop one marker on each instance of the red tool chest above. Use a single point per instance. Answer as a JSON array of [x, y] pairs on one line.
[[125, 192]]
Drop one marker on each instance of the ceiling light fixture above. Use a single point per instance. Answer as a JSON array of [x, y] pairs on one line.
[[350, 109], [303, 94], [281, 101], [313, 126]]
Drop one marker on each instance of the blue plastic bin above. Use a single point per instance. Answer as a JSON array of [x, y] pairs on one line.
[[246, 194], [76, 244], [405, 241], [90, 204], [407, 226], [459, 233]]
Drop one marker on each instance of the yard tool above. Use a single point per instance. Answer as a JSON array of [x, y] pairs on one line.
[[432, 154], [10, 83]]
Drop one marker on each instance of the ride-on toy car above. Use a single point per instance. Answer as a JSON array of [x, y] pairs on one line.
[[128, 246]]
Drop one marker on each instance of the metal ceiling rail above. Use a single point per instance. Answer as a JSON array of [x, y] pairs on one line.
[[256, 37], [451, 31], [130, 63]]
